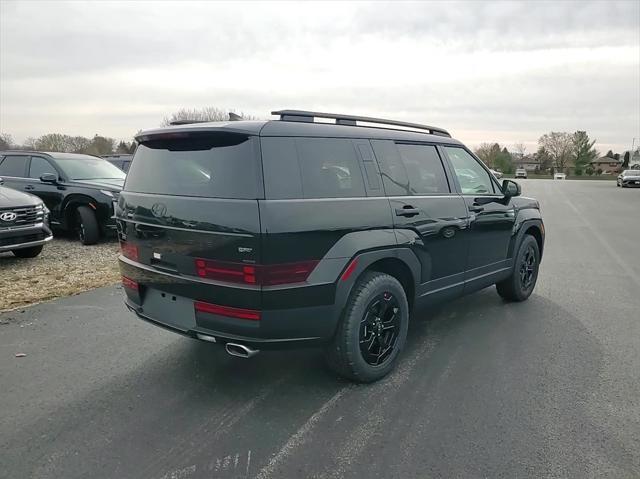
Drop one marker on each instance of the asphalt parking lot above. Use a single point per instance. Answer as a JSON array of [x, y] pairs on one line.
[[545, 388]]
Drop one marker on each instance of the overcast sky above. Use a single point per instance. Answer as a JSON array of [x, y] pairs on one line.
[[505, 71]]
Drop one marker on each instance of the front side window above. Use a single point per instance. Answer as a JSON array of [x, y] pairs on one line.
[[40, 166], [473, 178], [13, 165]]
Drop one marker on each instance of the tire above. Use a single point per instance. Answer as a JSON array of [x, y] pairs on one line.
[[361, 321], [31, 252], [520, 285], [87, 225]]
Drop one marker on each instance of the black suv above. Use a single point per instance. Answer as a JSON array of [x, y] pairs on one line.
[[79, 190], [292, 232], [24, 223]]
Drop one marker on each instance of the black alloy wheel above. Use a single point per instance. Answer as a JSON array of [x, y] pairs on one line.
[[379, 329], [528, 267]]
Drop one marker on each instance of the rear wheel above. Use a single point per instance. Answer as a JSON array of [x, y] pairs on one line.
[[87, 225], [373, 329], [31, 252], [520, 284]]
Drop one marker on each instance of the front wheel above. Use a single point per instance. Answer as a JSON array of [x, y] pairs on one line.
[[87, 225], [372, 331], [519, 286]]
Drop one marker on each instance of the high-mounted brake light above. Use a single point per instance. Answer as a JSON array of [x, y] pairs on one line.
[[261, 275], [129, 250], [228, 311]]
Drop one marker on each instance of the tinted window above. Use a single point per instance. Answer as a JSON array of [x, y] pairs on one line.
[[215, 165], [311, 168], [281, 168], [410, 169], [39, 166], [424, 169], [394, 174], [329, 168], [13, 166], [473, 178]]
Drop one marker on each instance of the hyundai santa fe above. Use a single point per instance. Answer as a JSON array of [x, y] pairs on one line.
[[294, 232]]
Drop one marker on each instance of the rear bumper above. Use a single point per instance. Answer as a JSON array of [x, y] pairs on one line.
[[24, 237], [295, 317], [226, 335]]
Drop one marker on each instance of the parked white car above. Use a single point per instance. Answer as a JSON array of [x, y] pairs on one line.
[[559, 176], [521, 173]]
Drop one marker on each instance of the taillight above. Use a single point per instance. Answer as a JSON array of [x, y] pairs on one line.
[[129, 250], [265, 275], [225, 271], [129, 283], [227, 311]]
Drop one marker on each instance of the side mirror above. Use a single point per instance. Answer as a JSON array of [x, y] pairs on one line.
[[510, 188], [49, 178]]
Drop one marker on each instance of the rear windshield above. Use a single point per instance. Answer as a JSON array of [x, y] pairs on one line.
[[213, 165]]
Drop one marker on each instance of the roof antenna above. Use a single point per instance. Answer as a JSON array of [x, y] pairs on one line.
[[234, 116]]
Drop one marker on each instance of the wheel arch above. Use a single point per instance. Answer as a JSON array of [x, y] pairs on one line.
[[71, 203], [401, 263]]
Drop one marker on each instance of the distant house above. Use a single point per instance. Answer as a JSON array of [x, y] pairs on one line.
[[528, 162], [607, 165]]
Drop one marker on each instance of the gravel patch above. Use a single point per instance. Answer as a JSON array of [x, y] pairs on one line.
[[64, 267]]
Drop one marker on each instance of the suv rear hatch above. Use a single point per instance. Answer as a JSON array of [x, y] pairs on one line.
[[189, 227]]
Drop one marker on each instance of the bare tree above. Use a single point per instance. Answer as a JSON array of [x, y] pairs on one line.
[[6, 141], [208, 113], [559, 146], [520, 149]]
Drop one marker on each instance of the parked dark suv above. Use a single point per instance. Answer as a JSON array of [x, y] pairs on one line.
[[80, 190], [24, 223], [275, 234]]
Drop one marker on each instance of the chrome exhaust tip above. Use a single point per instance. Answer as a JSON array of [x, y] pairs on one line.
[[240, 350]]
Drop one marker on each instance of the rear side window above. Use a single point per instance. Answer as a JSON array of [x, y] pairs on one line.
[[214, 165], [311, 168], [13, 166], [424, 169], [409, 169]]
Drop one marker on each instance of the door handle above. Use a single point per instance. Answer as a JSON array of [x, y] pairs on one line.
[[476, 208], [407, 210], [29, 188]]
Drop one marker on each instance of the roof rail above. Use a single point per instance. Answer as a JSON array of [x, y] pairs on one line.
[[350, 120]]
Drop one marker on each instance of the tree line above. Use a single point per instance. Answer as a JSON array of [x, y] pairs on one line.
[[557, 152], [97, 146], [102, 145]]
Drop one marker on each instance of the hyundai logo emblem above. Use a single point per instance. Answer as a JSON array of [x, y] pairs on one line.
[[159, 210], [8, 216]]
